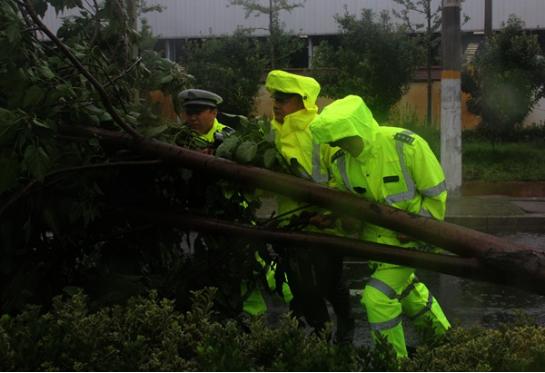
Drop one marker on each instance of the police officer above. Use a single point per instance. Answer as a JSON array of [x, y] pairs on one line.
[[396, 167], [200, 111], [313, 275]]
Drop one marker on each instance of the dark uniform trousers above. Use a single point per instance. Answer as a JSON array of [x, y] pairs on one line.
[[314, 277]]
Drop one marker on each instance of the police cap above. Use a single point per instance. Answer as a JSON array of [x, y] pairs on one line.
[[199, 97]]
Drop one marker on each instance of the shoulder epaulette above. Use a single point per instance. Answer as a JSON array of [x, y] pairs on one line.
[[338, 154], [404, 137]]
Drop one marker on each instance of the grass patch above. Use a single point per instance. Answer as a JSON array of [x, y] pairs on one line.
[[512, 161], [521, 157]]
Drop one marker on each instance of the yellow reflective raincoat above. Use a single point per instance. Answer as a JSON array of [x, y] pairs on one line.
[[293, 138], [396, 167], [313, 274]]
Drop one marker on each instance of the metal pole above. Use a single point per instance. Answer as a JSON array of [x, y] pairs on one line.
[[451, 123], [488, 18]]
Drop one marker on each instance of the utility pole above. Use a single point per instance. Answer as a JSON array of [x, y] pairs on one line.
[[488, 18], [451, 115]]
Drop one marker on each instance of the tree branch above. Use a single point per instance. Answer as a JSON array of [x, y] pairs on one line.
[[470, 268], [457, 239], [123, 73], [100, 89]]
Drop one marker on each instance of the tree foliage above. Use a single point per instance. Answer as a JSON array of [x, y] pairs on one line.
[[506, 79], [374, 60], [281, 44], [67, 203], [231, 66]]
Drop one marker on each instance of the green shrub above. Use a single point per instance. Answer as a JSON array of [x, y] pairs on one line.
[[506, 80], [508, 348], [149, 334]]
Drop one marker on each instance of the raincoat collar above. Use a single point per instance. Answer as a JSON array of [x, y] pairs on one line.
[[294, 122]]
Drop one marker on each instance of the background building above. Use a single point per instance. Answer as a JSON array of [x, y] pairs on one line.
[[183, 20]]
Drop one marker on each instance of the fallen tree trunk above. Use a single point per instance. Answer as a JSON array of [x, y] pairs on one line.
[[521, 264], [470, 268]]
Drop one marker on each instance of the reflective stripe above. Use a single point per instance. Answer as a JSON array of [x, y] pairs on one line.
[[409, 194], [379, 326], [343, 172], [316, 169], [383, 287], [436, 190], [425, 309], [408, 289]]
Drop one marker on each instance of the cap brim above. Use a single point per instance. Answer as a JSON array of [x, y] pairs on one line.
[[199, 103]]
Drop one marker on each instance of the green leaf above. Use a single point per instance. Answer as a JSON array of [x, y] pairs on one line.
[[269, 136], [227, 147], [246, 152], [33, 96], [166, 79], [94, 109], [9, 171], [269, 158], [13, 31], [36, 161], [7, 127], [105, 117], [40, 6], [65, 90], [46, 72], [40, 123]]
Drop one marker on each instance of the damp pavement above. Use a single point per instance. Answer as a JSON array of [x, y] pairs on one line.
[[498, 214]]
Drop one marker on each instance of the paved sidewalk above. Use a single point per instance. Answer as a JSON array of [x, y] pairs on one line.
[[498, 213]]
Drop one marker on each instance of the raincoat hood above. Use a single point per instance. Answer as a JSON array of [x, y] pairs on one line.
[[342, 118], [307, 87]]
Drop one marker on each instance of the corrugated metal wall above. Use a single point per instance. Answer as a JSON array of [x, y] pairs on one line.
[[202, 18]]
